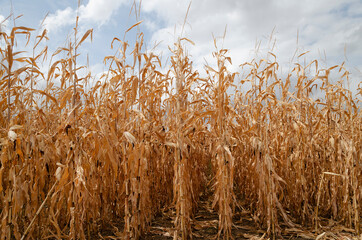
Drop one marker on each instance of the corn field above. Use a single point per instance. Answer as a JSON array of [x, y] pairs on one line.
[[82, 151]]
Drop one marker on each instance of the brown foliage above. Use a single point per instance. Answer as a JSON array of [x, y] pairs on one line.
[[139, 141]]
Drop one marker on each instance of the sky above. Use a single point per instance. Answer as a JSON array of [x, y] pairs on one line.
[[331, 30]]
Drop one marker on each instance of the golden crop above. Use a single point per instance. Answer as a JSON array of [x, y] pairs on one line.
[[75, 157]]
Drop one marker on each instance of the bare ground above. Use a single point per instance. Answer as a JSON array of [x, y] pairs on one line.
[[205, 226]]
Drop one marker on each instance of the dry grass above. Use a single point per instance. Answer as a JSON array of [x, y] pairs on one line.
[[77, 157]]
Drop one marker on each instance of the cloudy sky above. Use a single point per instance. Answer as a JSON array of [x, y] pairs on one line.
[[330, 29]]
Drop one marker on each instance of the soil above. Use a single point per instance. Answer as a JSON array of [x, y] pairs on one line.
[[205, 226]]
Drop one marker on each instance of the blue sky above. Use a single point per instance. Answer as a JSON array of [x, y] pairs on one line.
[[333, 27]]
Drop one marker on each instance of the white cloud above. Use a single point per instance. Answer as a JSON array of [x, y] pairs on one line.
[[99, 11], [94, 12], [151, 25], [323, 25], [4, 23], [60, 19], [2, 18]]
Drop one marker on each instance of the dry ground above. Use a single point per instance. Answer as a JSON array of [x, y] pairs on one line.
[[205, 226]]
